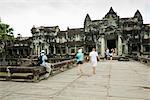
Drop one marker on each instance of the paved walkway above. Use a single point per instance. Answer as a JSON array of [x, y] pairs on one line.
[[113, 81]]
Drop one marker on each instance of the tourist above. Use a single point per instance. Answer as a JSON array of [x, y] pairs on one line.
[[107, 53], [113, 51], [111, 54], [93, 59], [80, 58], [42, 61], [87, 59]]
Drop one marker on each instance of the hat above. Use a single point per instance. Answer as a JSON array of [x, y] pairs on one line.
[[43, 51], [80, 50]]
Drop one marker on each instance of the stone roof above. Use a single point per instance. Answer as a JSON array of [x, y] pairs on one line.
[[148, 25], [96, 20], [74, 31], [47, 29], [23, 38], [111, 12], [127, 20], [61, 33], [138, 15], [74, 43], [87, 18]]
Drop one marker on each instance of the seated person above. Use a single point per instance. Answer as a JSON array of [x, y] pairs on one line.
[[42, 62]]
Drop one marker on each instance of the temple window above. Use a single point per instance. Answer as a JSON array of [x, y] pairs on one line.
[[134, 48], [146, 48], [72, 50]]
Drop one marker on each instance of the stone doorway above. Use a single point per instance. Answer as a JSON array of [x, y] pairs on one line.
[[51, 50], [111, 44]]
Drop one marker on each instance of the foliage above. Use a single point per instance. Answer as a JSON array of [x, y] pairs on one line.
[[6, 32], [6, 37]]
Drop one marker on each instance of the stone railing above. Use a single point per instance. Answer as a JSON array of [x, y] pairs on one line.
[[61, 66], [26, 61], [144, 60], [9, 62], [34, 74]]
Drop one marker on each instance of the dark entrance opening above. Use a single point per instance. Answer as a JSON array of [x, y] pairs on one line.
[[111, 44]]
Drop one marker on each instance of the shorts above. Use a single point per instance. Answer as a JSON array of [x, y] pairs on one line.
[[94, 64], [79, 62]]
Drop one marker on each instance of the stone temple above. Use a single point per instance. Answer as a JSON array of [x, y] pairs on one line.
[[129, 36]]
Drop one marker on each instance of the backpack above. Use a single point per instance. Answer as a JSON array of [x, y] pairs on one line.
[[40, 59]]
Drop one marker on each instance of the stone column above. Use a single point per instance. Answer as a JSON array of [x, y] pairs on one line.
[[34, 51], [54, 49], [61, 52], [75, 49], [47, 48], [12, 51], [141, 50], [24, 52], [126, 48], [119, 45], [18, 51], [102, 46], [38, 50], [67, 52]]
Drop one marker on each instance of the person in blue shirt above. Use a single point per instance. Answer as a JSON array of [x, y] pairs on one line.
[[80, 59]]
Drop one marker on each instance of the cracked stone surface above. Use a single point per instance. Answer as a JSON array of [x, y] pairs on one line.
[[113, 81]]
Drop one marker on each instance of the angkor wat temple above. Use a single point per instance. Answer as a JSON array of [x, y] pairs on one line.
[[130, 36]]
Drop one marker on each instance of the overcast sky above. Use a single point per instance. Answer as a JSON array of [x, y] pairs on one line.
[[23, 14]]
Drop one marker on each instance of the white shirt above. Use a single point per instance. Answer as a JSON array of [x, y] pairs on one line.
[[93, 56], [44, 57], [107, 52]]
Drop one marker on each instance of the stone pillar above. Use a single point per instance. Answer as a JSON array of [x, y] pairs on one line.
[[119, 45], [38, 50], [126, 48], [67, 52], [61, 52], [12, 51], [47, 49], [24, 52], [96, 44], [35, 51], [75, 49], [102, 46], [141, 50], [18, 51], [54, 49]]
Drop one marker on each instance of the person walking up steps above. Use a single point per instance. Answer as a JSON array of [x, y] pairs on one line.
[[93, 59]]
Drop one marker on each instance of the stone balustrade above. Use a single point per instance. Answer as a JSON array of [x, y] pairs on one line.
[[34, 73], [144, 60]]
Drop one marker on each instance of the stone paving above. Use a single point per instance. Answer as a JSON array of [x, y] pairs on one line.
[[113, 81]]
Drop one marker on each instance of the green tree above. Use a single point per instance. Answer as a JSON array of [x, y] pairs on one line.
[[6, 33], [6, 37]]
